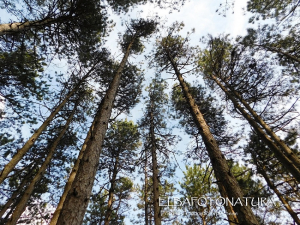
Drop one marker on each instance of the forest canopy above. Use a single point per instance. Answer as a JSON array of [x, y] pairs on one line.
[[117, 112]]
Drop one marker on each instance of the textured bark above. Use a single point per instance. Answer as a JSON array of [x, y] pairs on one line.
[[231, 215], [10, 28], [22, 151], [288, 164], [146, 192], [219, 163], [71, 177], [76, 202], [111, 192], [28, 192], [157, 214]]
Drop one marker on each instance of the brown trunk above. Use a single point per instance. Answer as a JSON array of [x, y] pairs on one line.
[[22, 151], [146, 191], [15, 195], [22, 204], [261, 170], [111, 192], [219, 163], [280, 52], [231, 215], [74, 206], [71, 177], [10, 28], [288, 152], [157, 215], [294, 170]]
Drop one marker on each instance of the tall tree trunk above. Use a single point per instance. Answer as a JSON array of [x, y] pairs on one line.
[[11, 28], [157, 214], [111, 192], [261, 169], [288, 152], [288, 164], [28, 192], [231, 215], [146, 191], [72, 176], [219, 163], [22, 151], [16, 194], [74, 206]]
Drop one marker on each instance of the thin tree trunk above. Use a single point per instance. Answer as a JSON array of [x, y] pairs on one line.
[[294, 170], [157, 215], [262, 171], [280, 52], [28, 192], [219, 163], [22, 151], [74, 206], [146, 191], [111, 192], [14, 196]]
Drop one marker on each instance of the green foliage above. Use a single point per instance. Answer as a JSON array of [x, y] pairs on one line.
[[198, 182], [98, 204], [137, 29], [273, 9], [213, 115]]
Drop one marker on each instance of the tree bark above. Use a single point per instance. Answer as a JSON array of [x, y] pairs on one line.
[[231, 215], [219, 163], [157, 214], [28, 192], [74, 206], [22, 151], [146, 191], [11, 28], [111, 192], [288, 164], [71, 177]]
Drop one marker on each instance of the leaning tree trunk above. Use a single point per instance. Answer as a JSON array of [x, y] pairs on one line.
[[261, 169], [10, 204], [279, 52], [219, 163], [157, 214], [231, 215], [71, 179], [111, 193], [17, 27], [28, 192], [288, 164], [22, 151], [76, 202], [286, 149]]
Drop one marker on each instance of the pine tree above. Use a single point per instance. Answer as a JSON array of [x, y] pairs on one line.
[[172, 53], [76, 200]]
